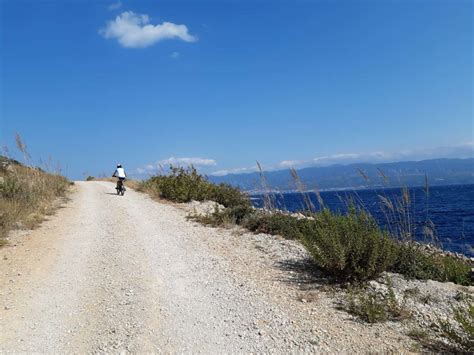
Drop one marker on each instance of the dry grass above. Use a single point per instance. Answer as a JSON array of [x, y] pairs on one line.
[[269, 202], [301, 188], [27, 194]]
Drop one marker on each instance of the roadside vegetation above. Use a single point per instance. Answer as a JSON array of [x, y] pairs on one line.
[[350, 247], [27, 193], [184, 185]]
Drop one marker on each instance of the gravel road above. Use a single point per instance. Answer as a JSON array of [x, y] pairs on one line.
[[112, 274]]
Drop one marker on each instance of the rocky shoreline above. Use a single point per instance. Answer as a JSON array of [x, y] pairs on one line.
[[424, 304]]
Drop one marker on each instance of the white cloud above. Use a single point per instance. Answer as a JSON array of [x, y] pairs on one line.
[[147, 169], [174, 55], [289, 163], [188, 161], [133, 30], [115, 6], [162, 165], [335, 158]]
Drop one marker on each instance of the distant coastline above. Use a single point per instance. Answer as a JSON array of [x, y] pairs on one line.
[[358, 188], [434, 172]]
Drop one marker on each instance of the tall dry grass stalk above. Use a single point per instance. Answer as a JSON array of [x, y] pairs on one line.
[[20, 144], [269, 202], [302, 190], [399, 212]]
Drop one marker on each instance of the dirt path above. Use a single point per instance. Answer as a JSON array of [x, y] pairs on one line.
[[110, 273]]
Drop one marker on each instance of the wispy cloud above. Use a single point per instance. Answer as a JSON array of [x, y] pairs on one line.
[[174, 55], [115, 6], [147, 169], [289, 163], [164, 163], [188, 161], [133, 30]]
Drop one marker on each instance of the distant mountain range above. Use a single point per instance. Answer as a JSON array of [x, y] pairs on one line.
[[363, 175]]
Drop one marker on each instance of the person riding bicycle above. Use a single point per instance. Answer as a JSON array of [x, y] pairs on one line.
[[120, 174]]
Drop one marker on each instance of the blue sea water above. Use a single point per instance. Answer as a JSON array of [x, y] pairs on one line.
[[449, 208]]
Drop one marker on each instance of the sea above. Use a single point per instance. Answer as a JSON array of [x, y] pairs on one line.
[[447, 210]]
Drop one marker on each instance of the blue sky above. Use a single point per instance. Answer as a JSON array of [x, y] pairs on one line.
[[225, 83]]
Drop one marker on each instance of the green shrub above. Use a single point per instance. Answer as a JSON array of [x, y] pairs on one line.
[[276, 223], [349, 246], [413, 262], [238, 213], [90, 178], [228, 196], [228, 216], [184, 185]]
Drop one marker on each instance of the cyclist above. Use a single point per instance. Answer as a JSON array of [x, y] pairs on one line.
[[120, 175]]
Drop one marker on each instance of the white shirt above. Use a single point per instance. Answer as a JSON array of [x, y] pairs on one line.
[[120, 172]]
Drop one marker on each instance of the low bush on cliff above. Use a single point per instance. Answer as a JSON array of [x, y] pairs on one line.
[[184, 185], [349, 246], [413, 262], [276, 223]]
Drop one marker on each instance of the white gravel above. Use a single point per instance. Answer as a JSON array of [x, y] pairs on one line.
[[113, 274]]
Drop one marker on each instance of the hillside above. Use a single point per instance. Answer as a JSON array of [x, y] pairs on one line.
[[27, 194]]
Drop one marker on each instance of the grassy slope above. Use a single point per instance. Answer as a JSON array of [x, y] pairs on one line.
[[26, 195]]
